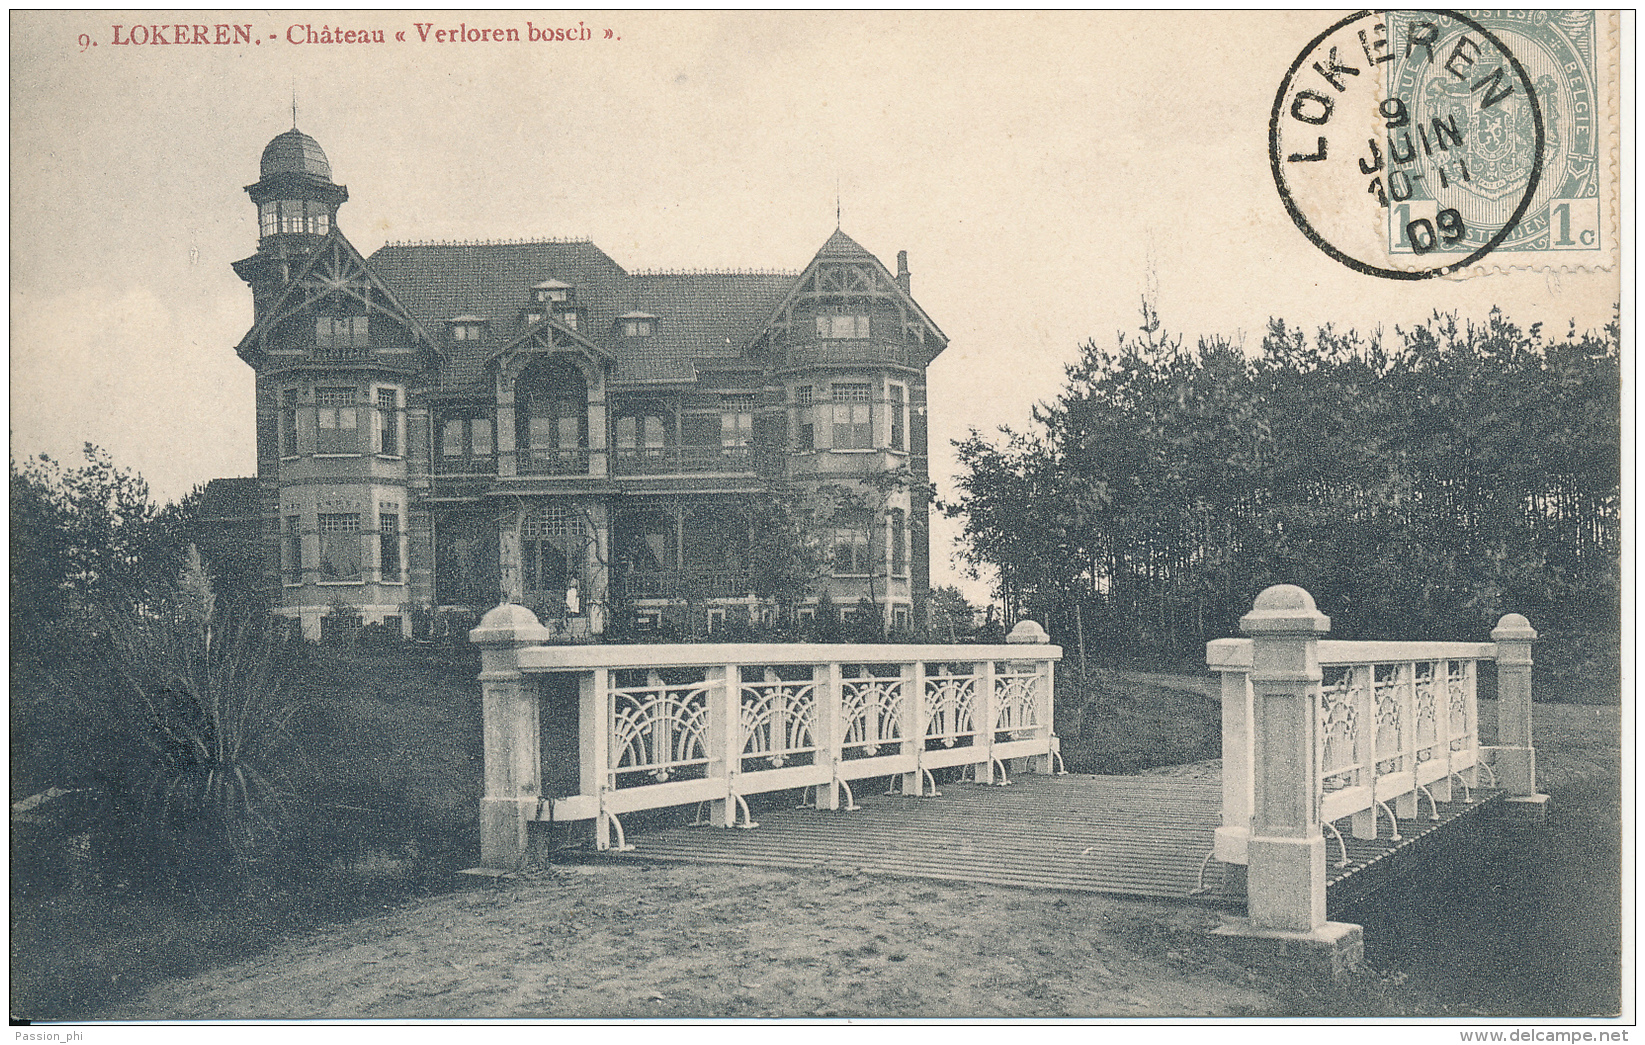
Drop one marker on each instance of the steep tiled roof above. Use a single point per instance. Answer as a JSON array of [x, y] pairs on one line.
[[841, 247], [700, 315]]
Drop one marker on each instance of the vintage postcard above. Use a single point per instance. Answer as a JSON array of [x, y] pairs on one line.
[[821, 515]]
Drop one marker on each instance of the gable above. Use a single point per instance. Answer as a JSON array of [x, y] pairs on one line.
[[334, 277]]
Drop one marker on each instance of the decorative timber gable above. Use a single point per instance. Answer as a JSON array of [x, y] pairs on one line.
[[846, 281], [334, 281]]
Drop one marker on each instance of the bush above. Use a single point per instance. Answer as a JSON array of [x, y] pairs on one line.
[[200, 717]]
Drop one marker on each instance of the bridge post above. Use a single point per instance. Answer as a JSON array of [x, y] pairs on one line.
[[1285, 871], [1515, 754], [513, 736]]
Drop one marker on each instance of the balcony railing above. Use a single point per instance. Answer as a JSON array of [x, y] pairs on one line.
[[342, 353], [552, 462], [689, 582], [671, 725], [467, 465], [852, 351], [681, 460]]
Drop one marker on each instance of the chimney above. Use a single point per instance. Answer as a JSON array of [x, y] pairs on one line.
[[902, 272]]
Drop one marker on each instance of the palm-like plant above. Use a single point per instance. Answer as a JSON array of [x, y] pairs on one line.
[[195, 686]]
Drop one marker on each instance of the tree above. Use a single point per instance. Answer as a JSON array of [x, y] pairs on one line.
[[1417, 484]]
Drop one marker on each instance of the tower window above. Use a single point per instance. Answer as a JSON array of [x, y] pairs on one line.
[[853, 416], [340, 547], [338, 430], [388, 550], [899, 417], [277, 216], [388, 421], [288, 422]]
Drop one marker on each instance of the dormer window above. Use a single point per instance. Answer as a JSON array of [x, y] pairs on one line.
[[637, 324], [551, 291], [467, 328], [842, 325]]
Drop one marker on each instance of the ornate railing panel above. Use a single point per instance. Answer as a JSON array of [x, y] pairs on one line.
[[658, 730], [779, 722], [670, 725], [872, 713], [950, 706]]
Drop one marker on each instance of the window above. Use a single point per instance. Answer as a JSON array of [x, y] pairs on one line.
[[341, 332], [466, 438], [340, 547], [568, 317], [388, 544], [639, 327], [556, 423], [899, 417], [736, 421], [551, 290], [805, 429], [716, 619], [467, 331], [388, 421], [308, 216], [550, 540], [338, 431], [899, 543], [288, 422], [899, 617], [291, 550], [835, 325], [853, 417], [850, 552]]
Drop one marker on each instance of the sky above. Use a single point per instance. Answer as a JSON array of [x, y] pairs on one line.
[[1042, 170]]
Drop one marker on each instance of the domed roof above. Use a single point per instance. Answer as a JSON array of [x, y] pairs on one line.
[[295, 153]]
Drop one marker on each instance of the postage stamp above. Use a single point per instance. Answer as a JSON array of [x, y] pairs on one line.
[[1474, 135], [1413, 145]]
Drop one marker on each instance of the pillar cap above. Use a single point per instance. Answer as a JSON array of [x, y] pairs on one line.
[[507, 623], [1027, 631], [1513, 626], [1285, 608]]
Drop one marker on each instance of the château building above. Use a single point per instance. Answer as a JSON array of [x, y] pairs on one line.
[[449, 425]]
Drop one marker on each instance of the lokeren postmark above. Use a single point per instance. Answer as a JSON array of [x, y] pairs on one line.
[[1411, 145]]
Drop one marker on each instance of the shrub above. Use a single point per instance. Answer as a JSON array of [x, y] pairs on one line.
[[197, 703]]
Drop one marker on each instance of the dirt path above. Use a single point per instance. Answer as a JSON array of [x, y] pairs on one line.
[[676, 941]]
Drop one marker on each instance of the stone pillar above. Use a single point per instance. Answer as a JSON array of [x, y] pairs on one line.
[[1286, 852], [1515, 755], [513, 736], [1285, 871]]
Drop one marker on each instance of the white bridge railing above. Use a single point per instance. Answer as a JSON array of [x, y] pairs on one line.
[[1316, 731], [669, 725]]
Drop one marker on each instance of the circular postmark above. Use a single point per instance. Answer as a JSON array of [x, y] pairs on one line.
[[1407, 145]]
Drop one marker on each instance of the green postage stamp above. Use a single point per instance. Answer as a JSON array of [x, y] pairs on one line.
[[1466, 154]]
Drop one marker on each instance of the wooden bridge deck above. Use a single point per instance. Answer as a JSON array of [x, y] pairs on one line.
[[1137, 835]]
